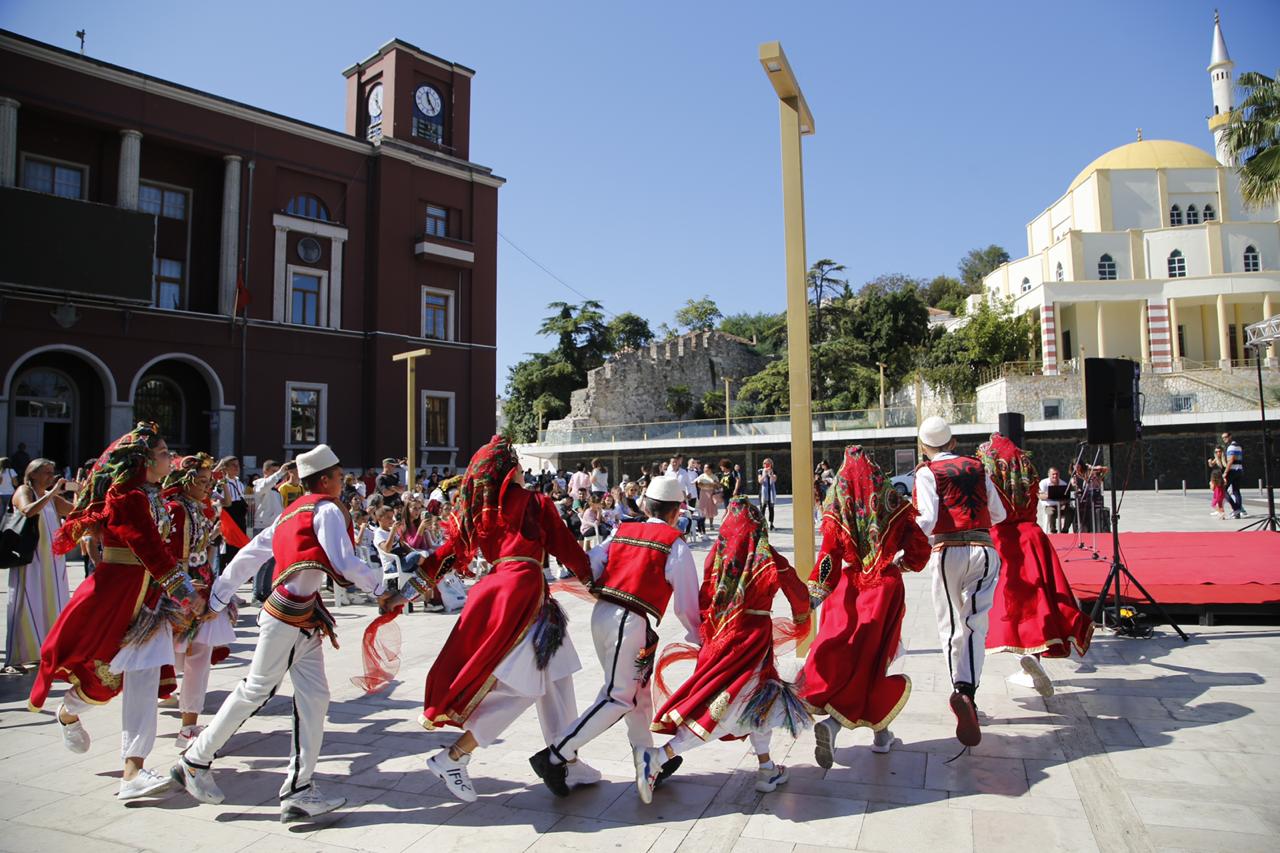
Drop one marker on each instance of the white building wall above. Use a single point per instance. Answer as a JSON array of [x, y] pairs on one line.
[[1111, 243], [1060, 218], [1084, 202], [1029, 268], [1060, 253], [1190, 240], [1039, 234], [1122, 325], [1135, 199], [1239, 211], [1263, 236]]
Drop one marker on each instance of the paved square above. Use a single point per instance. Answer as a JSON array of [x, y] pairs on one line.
[[1149, 744]]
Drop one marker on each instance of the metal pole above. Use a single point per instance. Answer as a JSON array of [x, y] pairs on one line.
[[411, 365], [726, 406], [882, 423]]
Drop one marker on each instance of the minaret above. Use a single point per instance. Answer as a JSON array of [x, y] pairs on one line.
[[1220, 66]]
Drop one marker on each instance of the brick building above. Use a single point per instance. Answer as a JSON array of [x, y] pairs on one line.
[[137, 215]]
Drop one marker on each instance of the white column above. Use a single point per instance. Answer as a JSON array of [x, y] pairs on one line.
[[1102, 331], [229, 255], [1224, 342], [1266, 314], [279, 287], [130, 162], [335, 282], [1178, 354], [1143, 336], [8, 143]]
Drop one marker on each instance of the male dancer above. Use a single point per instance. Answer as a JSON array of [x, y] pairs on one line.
[[957, 505], [637, 571], [310, 540]]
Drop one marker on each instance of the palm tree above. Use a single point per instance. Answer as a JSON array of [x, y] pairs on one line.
[[1252, 139]]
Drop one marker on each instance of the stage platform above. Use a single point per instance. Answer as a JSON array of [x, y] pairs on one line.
[[1206, 575]]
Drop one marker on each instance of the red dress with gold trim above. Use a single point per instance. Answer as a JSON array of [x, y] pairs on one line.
[[1034, 611], [865, 524], [130, 582], [741, 577], [514, 528]]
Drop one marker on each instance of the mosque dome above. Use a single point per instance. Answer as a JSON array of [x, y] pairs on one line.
[[1149, 154]]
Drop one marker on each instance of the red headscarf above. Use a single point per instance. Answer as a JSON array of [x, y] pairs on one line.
[[860, 507], [1012, 472], [121, 467]]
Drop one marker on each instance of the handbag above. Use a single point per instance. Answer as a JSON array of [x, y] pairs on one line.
[[19, 536]]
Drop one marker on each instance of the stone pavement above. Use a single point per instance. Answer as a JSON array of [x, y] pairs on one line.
[[1149, 744]]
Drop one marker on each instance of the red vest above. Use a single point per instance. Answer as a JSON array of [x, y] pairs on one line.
[[635, 575], [296, 547], [962, 495]]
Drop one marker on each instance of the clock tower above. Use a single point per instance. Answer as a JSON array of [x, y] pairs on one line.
[[409, 95]]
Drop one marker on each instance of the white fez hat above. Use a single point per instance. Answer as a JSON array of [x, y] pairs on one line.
[[316, 460], [935, 432], [667, 489]]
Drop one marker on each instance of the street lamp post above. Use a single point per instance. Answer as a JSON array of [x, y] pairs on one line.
[[726, 407], [881, 365], [410, 360], [796, 121]]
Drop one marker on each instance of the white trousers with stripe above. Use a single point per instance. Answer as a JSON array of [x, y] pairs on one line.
[[281, 649], [964, 586]]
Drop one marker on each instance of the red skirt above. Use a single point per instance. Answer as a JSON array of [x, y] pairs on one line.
[[724, 668], [88, 634], [499, 610], [859, 634], [1034, 610]]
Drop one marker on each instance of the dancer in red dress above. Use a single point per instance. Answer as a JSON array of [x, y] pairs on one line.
[[735, 690], [116, 633], [869, 537], [510, 648], [1035, 613]]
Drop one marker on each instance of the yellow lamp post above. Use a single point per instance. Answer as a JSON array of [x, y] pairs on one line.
[[796, 121], [880, 364], [410, 360], [726, 407]]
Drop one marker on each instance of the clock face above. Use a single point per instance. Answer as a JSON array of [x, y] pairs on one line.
[[428, 101], [375, 101]]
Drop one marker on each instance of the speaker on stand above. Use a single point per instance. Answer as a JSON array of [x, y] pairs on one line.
[[1013, 427]]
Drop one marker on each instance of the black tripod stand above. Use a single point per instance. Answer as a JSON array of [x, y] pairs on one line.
[[1117, 569], [1268, 523]]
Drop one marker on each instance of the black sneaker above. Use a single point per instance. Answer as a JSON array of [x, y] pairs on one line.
[[668, 769], [552, 775], [968, 731]]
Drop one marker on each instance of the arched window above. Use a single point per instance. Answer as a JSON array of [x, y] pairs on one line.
[[159, 399], [1057, 272], [1106, 268], [1193, 215], [1175, 215], [1026, 284], [309, 206], [1177, 264], [1252, 262], [1208, 213]]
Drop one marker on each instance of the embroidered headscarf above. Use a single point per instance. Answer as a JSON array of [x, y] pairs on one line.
[[121, 467], [187, 469], [1011, 470], [478, 514], [740, 549], [859, 506]]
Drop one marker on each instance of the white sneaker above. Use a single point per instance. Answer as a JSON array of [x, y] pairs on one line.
[[74, 736], [198, 782], [308, 804], [187, 735], [769, 778], [882, 742], [432, 607], [648, 762], [146, 783], [581, 773], [170, 701], [1039, 678], [824, 732], [454, 774]]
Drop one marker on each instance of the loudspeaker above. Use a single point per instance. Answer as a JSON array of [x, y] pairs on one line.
[[1013, 427], [1111, 398]]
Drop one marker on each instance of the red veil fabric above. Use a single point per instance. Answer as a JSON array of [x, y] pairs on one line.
[[865, 525], [1034, 611], [380, 650]]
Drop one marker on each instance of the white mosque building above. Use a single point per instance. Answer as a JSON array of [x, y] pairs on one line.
[[1152, 255]]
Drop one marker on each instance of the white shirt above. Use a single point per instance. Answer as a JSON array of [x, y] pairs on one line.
[[1044, 493], [233, 489], [681, 572], [331, 529], [927, 497], [266, 500], [599, 481], [7, 479]]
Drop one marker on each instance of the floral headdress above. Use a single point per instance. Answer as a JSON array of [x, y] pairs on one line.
[[859, 505], [742, 546], [478, 515], [1010, 469], [122, 466], [187, 469]]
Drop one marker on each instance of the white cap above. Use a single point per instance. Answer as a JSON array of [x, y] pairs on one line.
[[935, 432], [667, 489], [315, 460]]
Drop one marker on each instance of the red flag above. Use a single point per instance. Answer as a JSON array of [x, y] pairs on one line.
[[231, 532], [242, 293]]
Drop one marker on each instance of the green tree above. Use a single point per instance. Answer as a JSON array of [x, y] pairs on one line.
[[713, 404], [679, 400], [1252, 138], [698, 315], [993, 336], [768, 331], [582, 337], [629, 331], [766, 392], [947, 293], [979, 263]]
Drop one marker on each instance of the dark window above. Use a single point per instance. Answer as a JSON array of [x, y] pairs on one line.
[[436, 422], [428, 129], [437, 221], [1057, 273], [167, 292], [304, 415], [1026, 284], [1175, 215], [1177, 264], [306, 300], [435, 316], [1231, 338], [1209, 215], [48, 177], [1066, 344], [1182, 341], [1252, 261], [159, 399], [1193, 215], [160, 201], [308, 206], [1106, 268]]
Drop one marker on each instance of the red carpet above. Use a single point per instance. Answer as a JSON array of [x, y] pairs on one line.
[[1182, 569]]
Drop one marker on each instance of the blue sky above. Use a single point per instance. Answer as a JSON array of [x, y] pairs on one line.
[[640, 141]]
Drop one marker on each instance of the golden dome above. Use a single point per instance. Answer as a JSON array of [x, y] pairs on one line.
[[1149, 154]]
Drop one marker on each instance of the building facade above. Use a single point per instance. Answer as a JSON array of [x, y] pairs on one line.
[[241, 277], [1151, 254]]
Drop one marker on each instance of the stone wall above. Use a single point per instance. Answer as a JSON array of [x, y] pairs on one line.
[[632, 386]]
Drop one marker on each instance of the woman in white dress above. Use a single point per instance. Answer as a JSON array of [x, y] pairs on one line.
[[37, 591]]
